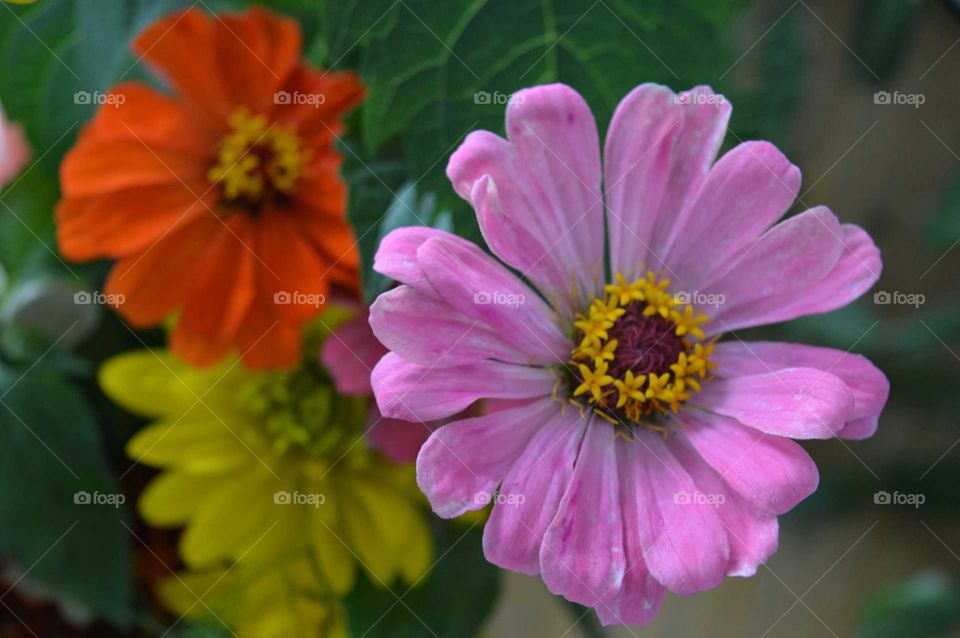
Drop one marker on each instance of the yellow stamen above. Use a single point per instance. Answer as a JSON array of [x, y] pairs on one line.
[[255, 157], [629, 388], [639, 396], [593, 381]]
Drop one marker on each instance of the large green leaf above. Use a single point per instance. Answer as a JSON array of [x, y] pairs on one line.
[[453, 600], [434, 76], [51, 463], [434, 66]]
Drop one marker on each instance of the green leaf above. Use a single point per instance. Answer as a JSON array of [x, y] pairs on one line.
[[373, 188], [434, 76], [453, 600], [435, 63], [763, 111], [925, 605], [26, 223], [51, 453]]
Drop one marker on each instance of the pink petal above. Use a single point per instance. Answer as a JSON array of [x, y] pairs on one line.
[[751, 532], [789, 258], [546, 185], [399, 441], [14, 150], [857, 269], [800, 403], [428, 331], [639, 596], [745, 192], [397, 254], [582, 557], [539, 477], [412, 392], [684, 543], [859, 429], [350, 353], [868, 384], [771, 472], [462, 463], [477, 286], [657, 151]]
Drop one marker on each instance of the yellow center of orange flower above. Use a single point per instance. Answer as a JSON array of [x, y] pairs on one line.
[[641, 352], [256, 160]]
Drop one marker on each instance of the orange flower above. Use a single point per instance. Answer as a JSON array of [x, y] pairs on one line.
[[225, 204]]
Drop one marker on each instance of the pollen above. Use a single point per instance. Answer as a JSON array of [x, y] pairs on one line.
[[257, 161], [642, 353]]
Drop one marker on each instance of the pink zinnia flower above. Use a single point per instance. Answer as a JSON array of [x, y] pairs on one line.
[[636, 454], [14, 150]]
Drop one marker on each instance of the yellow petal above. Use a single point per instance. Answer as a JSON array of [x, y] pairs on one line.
[[171, 498], [179, 593], [417, 551], [287, 536], [153, 383], [382, 526], [234, 517], [337, 565], [197, 445]]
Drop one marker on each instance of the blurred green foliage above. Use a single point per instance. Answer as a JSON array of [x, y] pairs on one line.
[[925, 605]]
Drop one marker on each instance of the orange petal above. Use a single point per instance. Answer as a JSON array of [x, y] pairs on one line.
[[181, 47], [322, 189], [322, 199], [122, 222], [154, 282], [257, 51], [293, 270], [94, 168], [158, 121], [340, 92], [266, 339], [217, 303]]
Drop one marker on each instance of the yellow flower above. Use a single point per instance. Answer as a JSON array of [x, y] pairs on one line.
[[269, 468], [273, 601]]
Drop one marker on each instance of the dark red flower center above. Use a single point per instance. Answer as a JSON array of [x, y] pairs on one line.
[[645, 344]]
